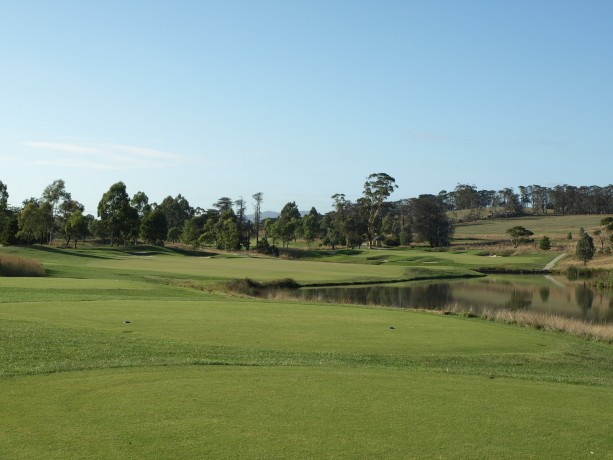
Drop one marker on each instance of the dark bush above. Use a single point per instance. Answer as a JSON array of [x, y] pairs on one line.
[[252, 287], [576, 273], [264, 248], [392, 242]]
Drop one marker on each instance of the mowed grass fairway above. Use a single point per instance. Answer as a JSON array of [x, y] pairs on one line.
[[197, 373], [298, 412], [160, 264]]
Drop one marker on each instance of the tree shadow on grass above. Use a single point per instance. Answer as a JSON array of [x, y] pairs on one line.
[[66, 252], [191, 252], [299, 253], [106, 252]]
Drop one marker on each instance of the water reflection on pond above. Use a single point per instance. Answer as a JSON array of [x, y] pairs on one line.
[[544, 294]]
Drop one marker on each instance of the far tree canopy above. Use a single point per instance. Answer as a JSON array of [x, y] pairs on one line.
[[154, 227], [431, 222], [377, 188], [116, 214]]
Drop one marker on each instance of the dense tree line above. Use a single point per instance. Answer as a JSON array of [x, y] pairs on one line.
[[561, 199], [371, 220]]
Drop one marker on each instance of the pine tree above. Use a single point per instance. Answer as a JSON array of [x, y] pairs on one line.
[[585, 248], [545, 244]]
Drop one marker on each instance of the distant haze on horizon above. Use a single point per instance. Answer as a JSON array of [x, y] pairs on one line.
[[300, 101]]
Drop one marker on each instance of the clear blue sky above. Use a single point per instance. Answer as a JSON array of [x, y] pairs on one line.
[[301, 100]]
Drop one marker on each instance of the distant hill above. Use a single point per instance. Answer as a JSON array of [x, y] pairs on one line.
[[270, 215], [264, 215]]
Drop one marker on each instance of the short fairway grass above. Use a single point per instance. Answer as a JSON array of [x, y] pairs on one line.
[[342, 266], [299, 412], [200, 374]]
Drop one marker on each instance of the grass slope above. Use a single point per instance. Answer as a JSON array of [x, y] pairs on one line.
[[423, 260], [553, 226]]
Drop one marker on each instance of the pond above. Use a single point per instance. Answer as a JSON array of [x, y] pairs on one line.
[[542, 294]]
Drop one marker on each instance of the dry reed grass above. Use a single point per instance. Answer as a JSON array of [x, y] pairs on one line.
[[20, 266], [547, 322]]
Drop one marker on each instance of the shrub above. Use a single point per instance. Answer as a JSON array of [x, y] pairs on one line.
[[264, 248], [392, 242], [20, 266], [574, 273], [545, 244], [251, 287]]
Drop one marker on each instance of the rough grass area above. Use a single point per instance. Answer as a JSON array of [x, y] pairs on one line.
[[553, 226], [11, 265]]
